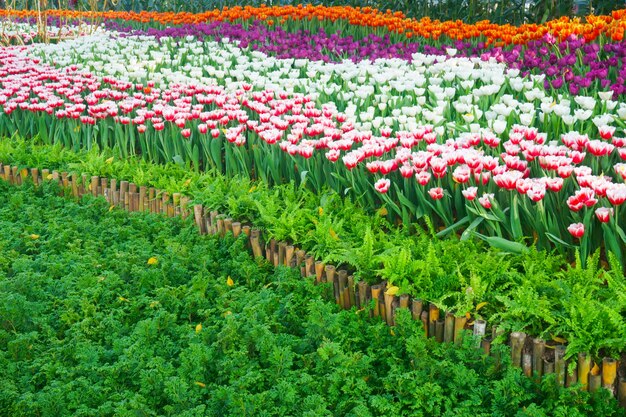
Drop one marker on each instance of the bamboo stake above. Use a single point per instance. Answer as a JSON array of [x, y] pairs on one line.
[[381, 302], [517, 343], [416, 309], [7, 174], [539, 346], [309, 266], [55, 176], [45, 173], [75, 191], [23, 175], [152, 205], [485, 345], [143, 203], [480, 327], [300, 256], [433, 316], [94, 185], [228, 225], [459, 326], [103, 187], [570, 377], [123, 193], [621, 392], [184, 206], [609, 374], [351, 292], [34, 173], [113, 194], [15, 175], [527, 364], [319, 271], [365, 294], [440, 324], [375, 293], [236, 229], [332, 279], [424, 318], [559, 364], [342, 286], [548, 367], [388, 299], [584, 368], [255, 242], [197, 214], [83, 187], [289, 255], [448, 331], [64, 179], [282, 248], [595, 382], [221, 227]]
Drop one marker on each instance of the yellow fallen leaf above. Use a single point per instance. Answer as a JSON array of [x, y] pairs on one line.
[[186, 183], [230, 282], [228, 313], [481, 305], [320, 211], [558, 339], [391, 332], [200, 384], [392, 290], [34, 236], [49, 177], [154, 304], [199, 328], [333, 234], [111, 208], [123, 299], [153, 261], [383, 211], [24, 173], [110, 160], [595, 370], [252, 189], [468, 315]]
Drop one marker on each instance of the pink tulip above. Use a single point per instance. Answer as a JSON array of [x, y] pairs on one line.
[[186, 133]]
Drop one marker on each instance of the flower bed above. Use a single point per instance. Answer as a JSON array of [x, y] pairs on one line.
[[518, 145]]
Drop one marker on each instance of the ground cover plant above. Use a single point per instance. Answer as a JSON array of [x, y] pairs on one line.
[[114, 314]]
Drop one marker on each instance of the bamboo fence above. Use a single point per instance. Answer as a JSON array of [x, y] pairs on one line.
[[534, 356]]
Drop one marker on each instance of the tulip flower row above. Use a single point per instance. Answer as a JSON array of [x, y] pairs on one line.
[[611, 26], [488, 163]]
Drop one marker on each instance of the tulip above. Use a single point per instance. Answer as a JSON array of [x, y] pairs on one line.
[[603, 214], [576, 229], [485, 200], [470, 193], [436, 193], [382, 185]]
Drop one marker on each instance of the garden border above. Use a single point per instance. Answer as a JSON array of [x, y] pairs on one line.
[[528, 353]]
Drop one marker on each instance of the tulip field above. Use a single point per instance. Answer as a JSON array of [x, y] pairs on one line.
[[479, 166]]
